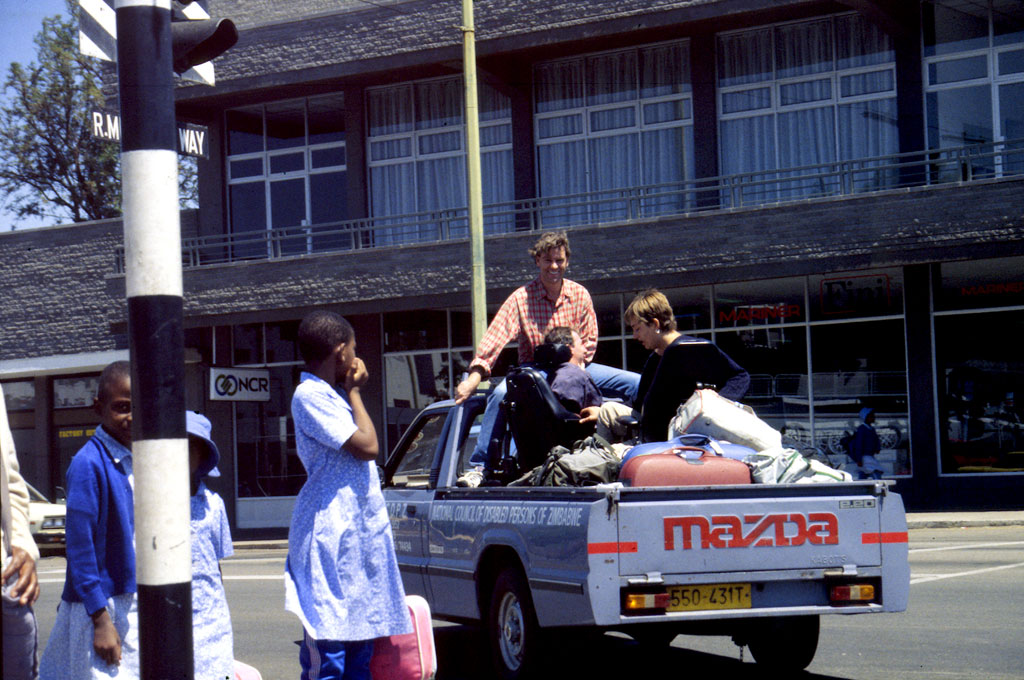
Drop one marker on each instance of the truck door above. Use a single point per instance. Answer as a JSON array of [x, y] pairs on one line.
[[409, 496]]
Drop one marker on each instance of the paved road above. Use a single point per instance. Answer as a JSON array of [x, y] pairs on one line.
[[964, 621]]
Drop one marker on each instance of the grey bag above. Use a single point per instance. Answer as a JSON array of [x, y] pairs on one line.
[[592, 461]]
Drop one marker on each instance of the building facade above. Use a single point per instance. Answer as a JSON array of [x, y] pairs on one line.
[[831, 191]]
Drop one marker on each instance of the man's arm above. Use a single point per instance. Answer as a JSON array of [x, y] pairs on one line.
[[24, 552], [588, 325], [503, 328]]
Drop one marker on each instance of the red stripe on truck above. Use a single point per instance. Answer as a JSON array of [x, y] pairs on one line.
[[607, 548], [885, 537]]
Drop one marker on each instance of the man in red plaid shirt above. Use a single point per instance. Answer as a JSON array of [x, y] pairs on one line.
[[527, 315]]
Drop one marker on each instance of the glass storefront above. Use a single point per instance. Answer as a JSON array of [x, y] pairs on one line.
[[818, 350], [979, 321]]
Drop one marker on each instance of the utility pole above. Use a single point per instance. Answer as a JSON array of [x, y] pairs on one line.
[[153, 286], [148, 54], [478, 289]]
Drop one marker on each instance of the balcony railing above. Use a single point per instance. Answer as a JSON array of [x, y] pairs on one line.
[[963, 164]]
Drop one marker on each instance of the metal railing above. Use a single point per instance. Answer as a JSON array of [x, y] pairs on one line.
[[963, 164]]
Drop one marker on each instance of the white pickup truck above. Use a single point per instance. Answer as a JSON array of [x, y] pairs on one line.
[[756, 562]]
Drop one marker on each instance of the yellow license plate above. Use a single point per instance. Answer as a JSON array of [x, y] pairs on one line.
[[703, 597]]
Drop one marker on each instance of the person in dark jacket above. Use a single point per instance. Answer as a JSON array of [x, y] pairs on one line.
[[676, 366], [865, 444]]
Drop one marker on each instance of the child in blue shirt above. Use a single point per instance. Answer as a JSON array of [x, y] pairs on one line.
[[96, 632], [341, 578], [212, 641]]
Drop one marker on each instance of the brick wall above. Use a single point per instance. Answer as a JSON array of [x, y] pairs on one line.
[[59, 294], [888, 229], [346, 36], [53, 290]]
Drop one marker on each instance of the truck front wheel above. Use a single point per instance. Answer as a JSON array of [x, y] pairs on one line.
[[786, 643], [512, 627]]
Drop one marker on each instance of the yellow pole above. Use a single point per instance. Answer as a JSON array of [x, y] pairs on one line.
[[478, 289]]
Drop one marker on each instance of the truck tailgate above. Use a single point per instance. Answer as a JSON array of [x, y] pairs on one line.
[[733, 529]]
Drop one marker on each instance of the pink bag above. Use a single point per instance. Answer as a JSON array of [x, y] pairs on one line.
[[244, 671], [410, 656]]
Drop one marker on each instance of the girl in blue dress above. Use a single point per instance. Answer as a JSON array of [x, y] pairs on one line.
[[212, 642]]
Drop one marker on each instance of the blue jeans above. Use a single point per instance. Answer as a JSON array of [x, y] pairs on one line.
[[335, 659], [615, 383]]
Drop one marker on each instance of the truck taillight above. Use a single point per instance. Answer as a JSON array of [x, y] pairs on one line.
[[852, 593], [636, 601]]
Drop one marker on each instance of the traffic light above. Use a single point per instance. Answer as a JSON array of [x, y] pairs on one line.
[[198, 41]]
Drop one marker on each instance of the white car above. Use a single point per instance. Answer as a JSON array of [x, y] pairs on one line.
[[46, 520]]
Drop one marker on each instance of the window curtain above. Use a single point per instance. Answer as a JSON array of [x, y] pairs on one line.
[[807, 137], [496, 172], [389, 195], [559, 86], [614, 169], [748, 146], [745, 58], [868, 129], [561, 170], [664, 154]]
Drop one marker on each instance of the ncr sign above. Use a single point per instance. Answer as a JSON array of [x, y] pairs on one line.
[[239, 384], [193, 140]]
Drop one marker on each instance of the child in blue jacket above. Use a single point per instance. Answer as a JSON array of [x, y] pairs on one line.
[[96, 633]]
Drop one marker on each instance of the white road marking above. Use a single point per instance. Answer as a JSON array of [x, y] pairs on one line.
[[966, 546], [939, 577]]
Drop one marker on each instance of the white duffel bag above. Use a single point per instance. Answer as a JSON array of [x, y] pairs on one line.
[[789, 466], [707, 412]]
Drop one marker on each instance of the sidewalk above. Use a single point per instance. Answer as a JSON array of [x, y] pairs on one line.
[[915, 520], [943, 520]]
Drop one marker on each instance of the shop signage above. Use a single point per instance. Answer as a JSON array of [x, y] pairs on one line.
[[239, 384], [1013, 288], [863, 294], [759, 313]]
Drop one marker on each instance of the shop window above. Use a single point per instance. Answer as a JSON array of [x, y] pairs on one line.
[[631, 105], [691, 306], [776, 359], [981, 284], [759, 303], [267, 462], [247, 344], [981, 380], [978, 326], [282, 342], [850, 295], [78, 392], [858, 365], [19, 395], [415, 330]]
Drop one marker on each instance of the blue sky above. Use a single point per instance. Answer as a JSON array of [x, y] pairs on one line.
[[21, 20]]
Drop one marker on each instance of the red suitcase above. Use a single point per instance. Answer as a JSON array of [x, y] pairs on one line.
[[683, 466]]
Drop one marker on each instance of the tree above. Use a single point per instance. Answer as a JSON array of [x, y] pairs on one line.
[[50, 164]]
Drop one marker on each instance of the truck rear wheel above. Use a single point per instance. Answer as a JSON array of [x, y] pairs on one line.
[[512, 628], [786, 643]]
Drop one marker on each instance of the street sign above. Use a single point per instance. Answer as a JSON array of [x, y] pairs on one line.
[[193, 140], [97, 33]]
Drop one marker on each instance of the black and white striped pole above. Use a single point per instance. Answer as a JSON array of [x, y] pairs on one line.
[[153, 283], [147, 56]]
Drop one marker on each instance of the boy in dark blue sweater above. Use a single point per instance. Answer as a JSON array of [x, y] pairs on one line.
[[96, 632]]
